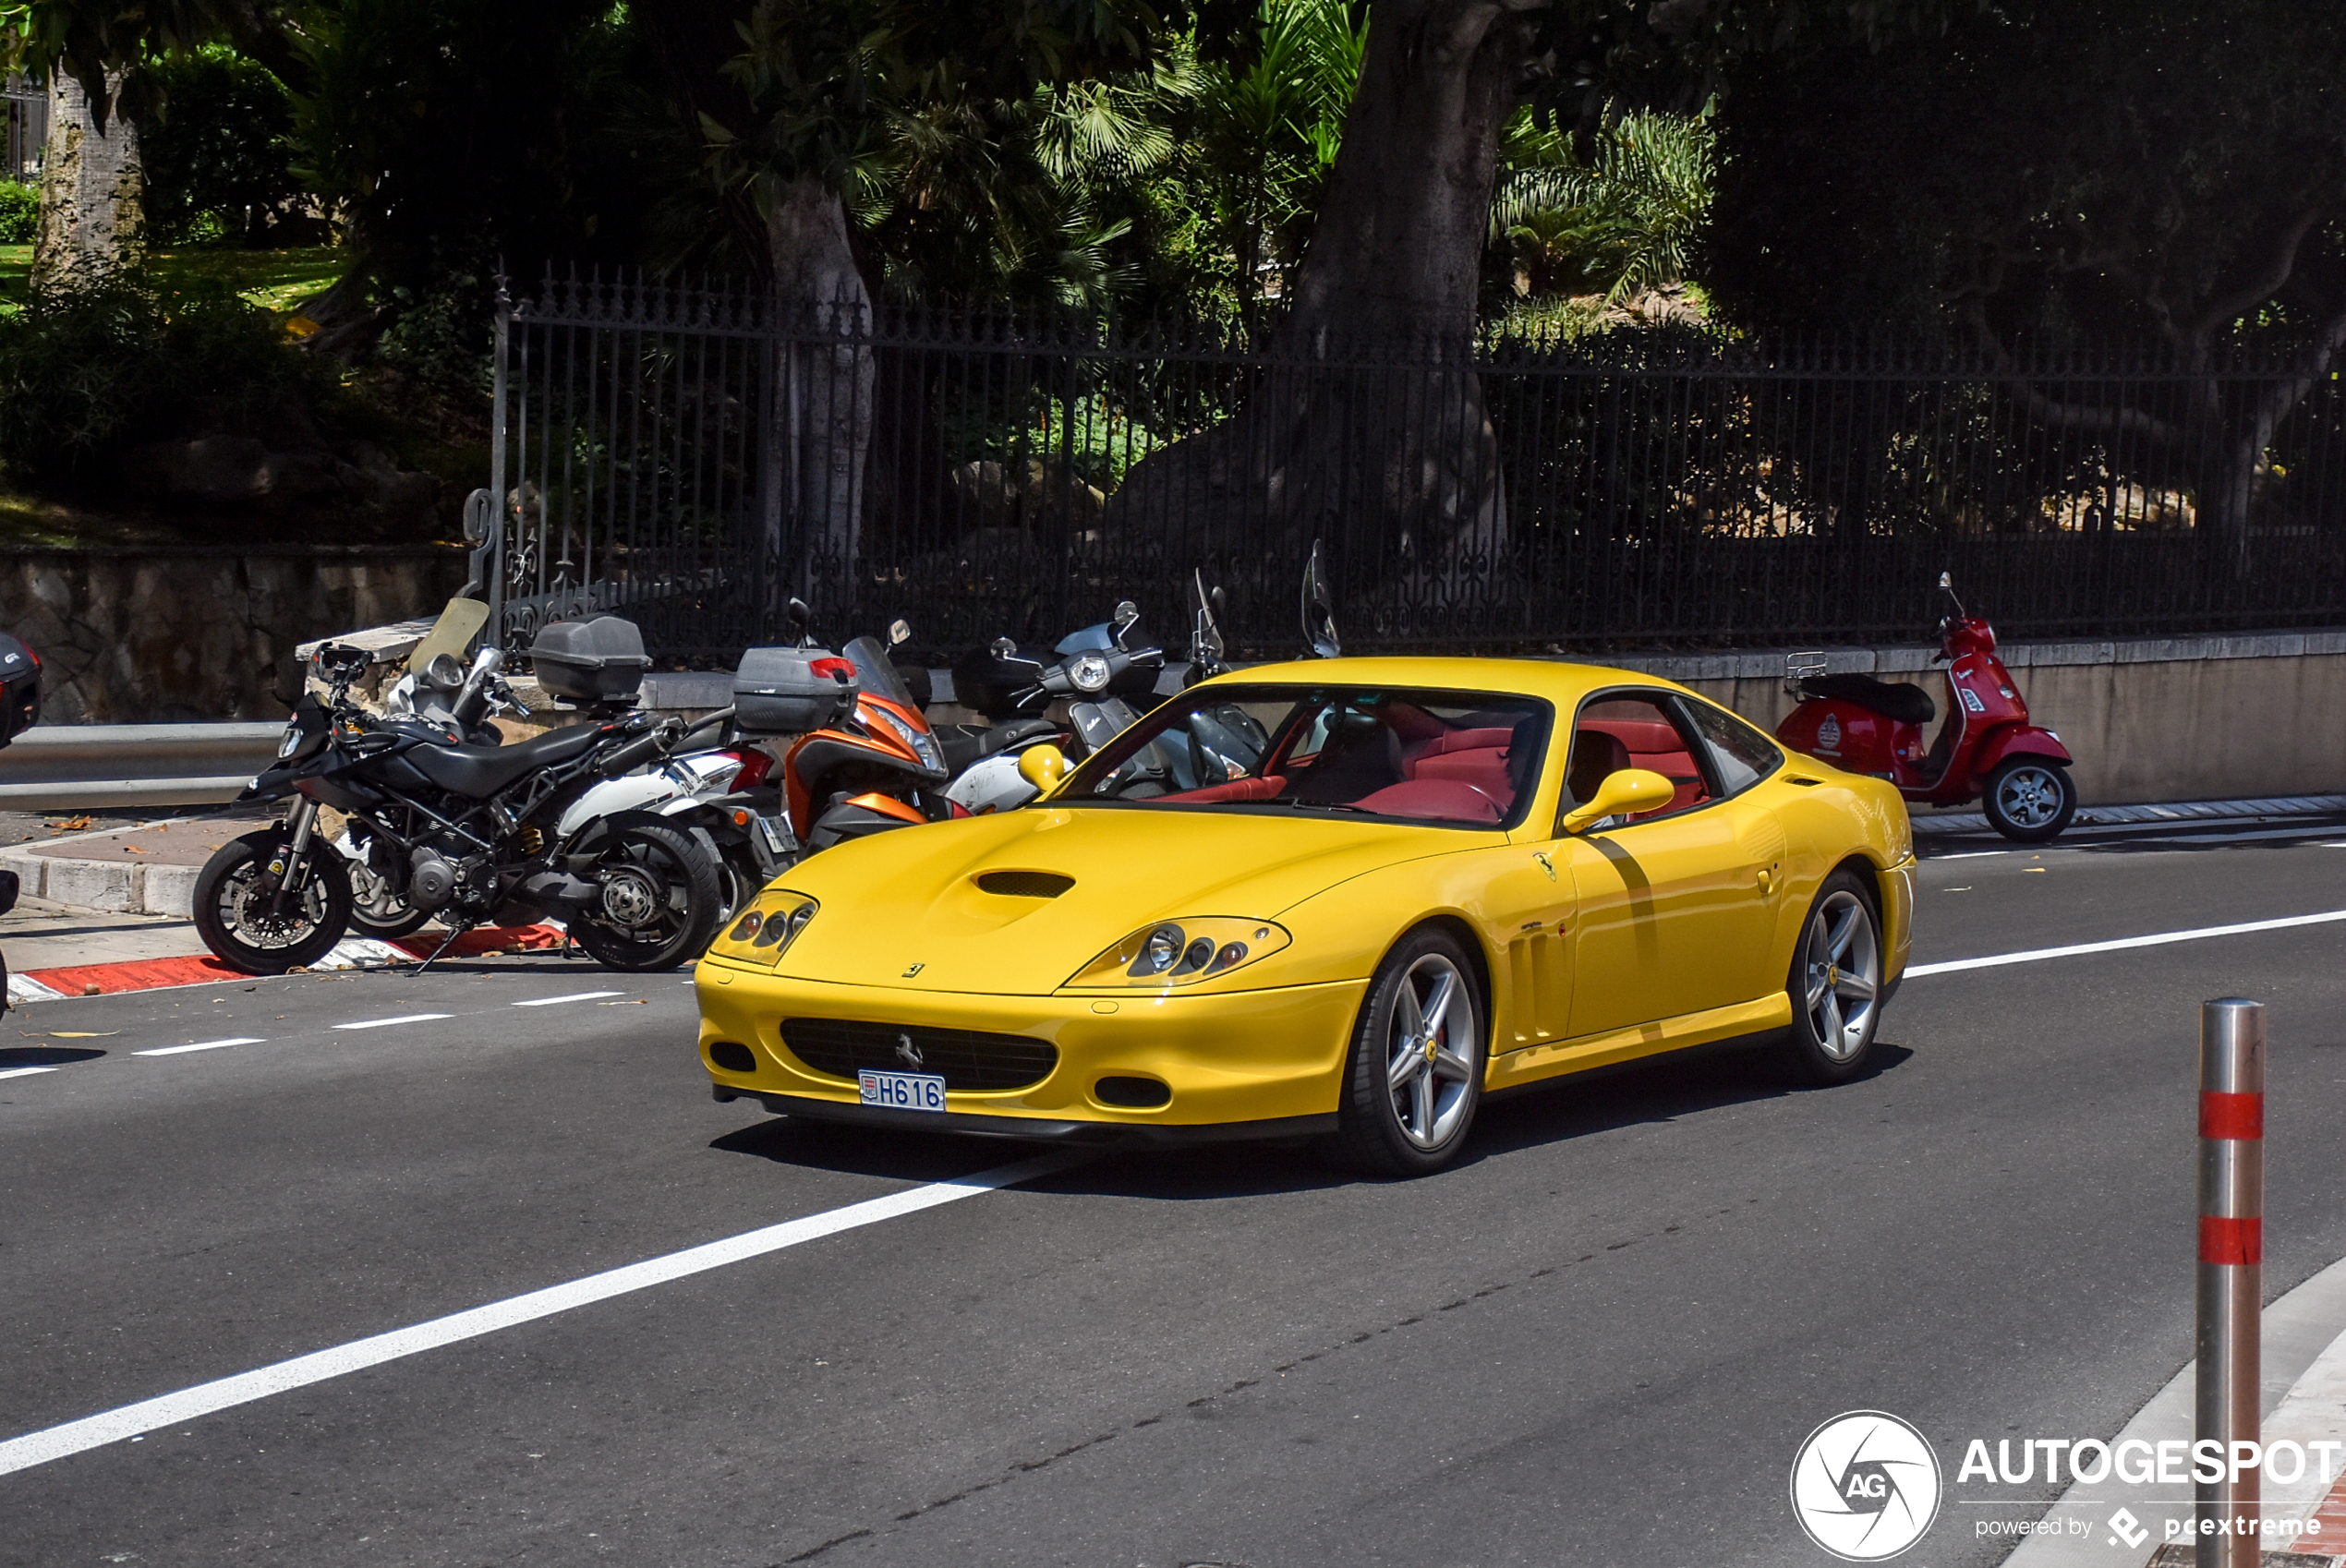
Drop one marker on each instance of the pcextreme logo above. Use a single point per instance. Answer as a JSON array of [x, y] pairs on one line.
[[1865, 1486]]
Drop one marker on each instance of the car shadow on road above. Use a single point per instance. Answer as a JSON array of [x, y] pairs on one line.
[[44, 1056], [1660, 1089]]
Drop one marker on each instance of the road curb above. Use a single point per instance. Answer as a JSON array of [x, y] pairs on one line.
[[202, 969], [2173, 812], [2303, 1373]]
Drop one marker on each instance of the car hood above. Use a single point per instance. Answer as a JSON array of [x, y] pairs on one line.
[[904, 909]]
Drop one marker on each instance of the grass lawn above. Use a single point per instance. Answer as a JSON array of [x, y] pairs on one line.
[[273, 279]]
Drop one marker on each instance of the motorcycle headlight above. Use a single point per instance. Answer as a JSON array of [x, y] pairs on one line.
[[1182, 952], [765, 931], [1088, 673], [291, 740]]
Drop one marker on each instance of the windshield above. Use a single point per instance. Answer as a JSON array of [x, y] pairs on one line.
[[1459, 759], [875, 672]]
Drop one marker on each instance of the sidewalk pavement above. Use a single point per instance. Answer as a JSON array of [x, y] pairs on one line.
[[147, 869], [57, 950]]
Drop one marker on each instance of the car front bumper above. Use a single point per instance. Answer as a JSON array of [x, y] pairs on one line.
[[1265, 1063]]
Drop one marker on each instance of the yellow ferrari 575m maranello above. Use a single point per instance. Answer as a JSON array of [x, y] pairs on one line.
[[1343, 897]]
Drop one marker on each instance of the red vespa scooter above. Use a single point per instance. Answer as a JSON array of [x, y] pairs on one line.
[[1986, 750]]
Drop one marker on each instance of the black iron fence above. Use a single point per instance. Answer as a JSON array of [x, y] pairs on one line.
[[686, 455]]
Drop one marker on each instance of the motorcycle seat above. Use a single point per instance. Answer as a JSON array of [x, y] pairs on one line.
[[1894, 700], [478, 772]]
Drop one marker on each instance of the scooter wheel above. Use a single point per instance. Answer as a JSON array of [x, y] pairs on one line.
[[2029, 798]]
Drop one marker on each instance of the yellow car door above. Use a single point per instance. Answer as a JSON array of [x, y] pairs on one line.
[[1676, 913]]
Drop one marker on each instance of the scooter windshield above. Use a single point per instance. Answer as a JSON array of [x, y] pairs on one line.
[[875, 672]]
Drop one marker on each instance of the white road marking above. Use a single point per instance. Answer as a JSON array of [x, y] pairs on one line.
[[386, 1023], [25, 1072], [201, 1045], [574, 997], [113, 1426], [2159, 939]]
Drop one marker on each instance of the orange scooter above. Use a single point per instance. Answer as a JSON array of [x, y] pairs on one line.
[[877, 768]]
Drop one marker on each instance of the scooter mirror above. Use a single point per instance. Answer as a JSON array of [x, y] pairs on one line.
[[1126, 614], [801, 620], [899, 634], [1947, 582], [1042, 767]]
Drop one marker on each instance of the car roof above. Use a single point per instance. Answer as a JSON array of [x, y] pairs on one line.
[[1561, 682]]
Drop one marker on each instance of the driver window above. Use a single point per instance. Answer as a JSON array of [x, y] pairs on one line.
[[1614, 732]]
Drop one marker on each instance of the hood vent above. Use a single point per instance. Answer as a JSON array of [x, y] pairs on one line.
[[1024, 884]]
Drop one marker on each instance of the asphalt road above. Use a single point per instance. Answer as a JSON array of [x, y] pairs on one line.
[[1598, 1340]]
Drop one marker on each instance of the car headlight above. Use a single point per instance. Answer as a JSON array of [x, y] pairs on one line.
[[766, 928], [1088, 673], [1182, 952]]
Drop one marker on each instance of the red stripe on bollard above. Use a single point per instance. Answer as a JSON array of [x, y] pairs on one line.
[[2230, 1116], [2230, 1241]]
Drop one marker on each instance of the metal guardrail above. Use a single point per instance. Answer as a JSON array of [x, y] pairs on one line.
[[74, 766]]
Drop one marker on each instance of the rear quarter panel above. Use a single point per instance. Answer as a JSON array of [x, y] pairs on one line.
[[1842, 816]]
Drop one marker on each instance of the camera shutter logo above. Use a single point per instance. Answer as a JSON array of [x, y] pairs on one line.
[[1866, 1486]]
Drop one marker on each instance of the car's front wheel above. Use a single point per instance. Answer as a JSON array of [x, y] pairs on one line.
[[1415, 1073], [1836, 984]]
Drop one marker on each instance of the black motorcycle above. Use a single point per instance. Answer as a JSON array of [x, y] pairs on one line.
[[467, 832]]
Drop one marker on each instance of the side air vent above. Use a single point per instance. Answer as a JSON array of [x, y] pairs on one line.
[[1024, 884]]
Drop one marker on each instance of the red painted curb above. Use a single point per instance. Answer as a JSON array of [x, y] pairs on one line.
[[202, 969]]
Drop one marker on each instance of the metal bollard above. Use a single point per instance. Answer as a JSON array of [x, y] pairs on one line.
[[2231, 1251]]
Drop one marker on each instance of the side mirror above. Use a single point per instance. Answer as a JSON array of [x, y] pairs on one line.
[[1947, 582], [1627, 789], [899, 634], [1126, 614], [1042, 767]]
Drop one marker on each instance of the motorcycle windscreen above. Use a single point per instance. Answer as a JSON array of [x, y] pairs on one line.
[[878, 673]]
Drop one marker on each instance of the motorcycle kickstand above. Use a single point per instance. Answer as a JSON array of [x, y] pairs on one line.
[[453, 931]]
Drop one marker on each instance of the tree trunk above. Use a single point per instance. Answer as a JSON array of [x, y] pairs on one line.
[[93, 194], [820, 414], [1369, 427]]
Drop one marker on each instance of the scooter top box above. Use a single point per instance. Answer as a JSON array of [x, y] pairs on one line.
[[789, 691], [600, 660]]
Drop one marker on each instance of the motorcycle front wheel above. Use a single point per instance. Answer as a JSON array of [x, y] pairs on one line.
[[661, 904], [234, 890]]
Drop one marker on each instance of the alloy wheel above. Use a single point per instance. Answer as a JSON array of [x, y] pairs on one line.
[[2030, 796], [1428, 1078], [1840, 970]]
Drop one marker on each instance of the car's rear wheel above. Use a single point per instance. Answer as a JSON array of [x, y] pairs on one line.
[[1836, 984], [1414, 1076]]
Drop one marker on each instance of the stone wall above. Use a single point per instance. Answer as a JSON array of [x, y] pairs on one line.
[[132, 636]]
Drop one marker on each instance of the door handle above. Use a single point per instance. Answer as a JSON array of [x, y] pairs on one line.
[[1767, 882]]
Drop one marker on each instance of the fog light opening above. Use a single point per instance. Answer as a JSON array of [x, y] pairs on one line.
[[1132, 1093], [731, 1056]]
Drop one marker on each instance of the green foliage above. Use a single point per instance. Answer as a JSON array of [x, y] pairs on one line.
[[1623, 220], [86, 376], [216, 144], [19, 212], [2071, 167]]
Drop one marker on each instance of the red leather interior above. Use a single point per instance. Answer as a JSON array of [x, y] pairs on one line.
[[1446, 798], [1656, 745], [1259, 788]]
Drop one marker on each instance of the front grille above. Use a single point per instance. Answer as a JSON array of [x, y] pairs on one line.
[[966, 1058]]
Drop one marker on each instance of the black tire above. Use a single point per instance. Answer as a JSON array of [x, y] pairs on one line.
[[377, 909], [244, 936], [1836, 982], [1405, 1110], [661, 901], [2029, 798]]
